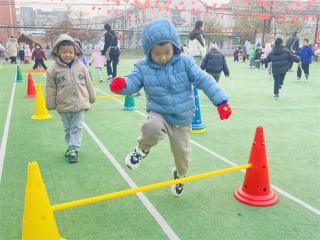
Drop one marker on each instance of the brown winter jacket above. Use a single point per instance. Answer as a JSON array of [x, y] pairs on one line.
[[68, 89]]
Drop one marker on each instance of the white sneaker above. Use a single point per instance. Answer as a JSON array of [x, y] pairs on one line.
[[134, 158], [177, 189]]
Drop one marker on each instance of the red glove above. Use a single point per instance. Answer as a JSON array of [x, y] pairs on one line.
[[224, 111], [117, 84]]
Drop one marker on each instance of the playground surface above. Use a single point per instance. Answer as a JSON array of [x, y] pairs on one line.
[[207, 210]]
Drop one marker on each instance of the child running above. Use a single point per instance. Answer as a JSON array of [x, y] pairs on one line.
[[69, 90], [167, 77], [280, 57]]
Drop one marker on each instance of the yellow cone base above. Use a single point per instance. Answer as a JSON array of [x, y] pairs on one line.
[[45, 117], [197, 131]]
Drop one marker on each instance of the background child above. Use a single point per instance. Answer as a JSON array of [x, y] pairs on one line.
[[27, 54], [214, 63], [69, 90], [21, 54], [38, 55], [257, 56], [98, 61], [236, 54], [280, 57], [252, 53], [167, 77], [81, 57], [305, 53]]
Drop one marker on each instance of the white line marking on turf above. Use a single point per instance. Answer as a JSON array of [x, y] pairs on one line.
[[5, 134], [150, 207], [279, 190]]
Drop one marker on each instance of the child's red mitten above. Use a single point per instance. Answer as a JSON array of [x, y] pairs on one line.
[[224, 111], [117, 84]]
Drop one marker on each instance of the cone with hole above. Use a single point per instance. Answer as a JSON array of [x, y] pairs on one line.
[[31, 91], [256, 189], [19, 77], [197, 124], [129, 104], [40, 109], [38, 218]]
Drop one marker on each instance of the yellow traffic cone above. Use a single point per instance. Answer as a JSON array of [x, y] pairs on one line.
[[38, 217], [40, 110]]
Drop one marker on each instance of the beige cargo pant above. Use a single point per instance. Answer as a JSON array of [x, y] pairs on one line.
[[155, 128]]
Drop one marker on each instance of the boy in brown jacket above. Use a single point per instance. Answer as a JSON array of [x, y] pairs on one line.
[[69, 90]]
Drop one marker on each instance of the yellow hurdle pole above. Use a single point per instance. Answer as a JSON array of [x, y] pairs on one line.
[[111, 96], [108, 196]]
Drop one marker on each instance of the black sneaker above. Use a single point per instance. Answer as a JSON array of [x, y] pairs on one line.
[[134, 158], [275, 96], [73, 155], [177, 189], [66, 153]]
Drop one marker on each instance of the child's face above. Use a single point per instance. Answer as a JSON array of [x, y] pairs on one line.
[[162, 54], [66, 53]]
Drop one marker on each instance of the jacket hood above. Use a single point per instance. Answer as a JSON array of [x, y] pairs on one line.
[[64, 37], [159, 31]]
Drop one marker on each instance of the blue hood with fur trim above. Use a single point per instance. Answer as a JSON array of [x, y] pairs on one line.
[[159, 31]]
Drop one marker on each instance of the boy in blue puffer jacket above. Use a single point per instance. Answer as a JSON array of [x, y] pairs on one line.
[[167, 77], [305, 53]]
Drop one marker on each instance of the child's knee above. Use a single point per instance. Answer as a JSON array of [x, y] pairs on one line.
[[152, 127]]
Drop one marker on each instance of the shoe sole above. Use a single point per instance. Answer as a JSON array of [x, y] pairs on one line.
[[73, 160]]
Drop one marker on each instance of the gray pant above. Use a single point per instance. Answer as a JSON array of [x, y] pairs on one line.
[[155, 128], [73, 124]]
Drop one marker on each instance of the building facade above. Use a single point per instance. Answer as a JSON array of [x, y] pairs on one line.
[[8, 20]]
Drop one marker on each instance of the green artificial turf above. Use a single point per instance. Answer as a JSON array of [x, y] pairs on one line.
[[208, 209]]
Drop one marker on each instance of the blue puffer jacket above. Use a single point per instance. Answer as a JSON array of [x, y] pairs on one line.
[[305, 53], [168, 87]]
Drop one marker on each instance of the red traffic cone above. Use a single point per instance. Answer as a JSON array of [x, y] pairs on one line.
[[31, 92], [255, 189]]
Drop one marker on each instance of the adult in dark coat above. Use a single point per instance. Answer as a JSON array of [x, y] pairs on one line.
[[280, 57], [111, 50], [214, 62], [292, 44]]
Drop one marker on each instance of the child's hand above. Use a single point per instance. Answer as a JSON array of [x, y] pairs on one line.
[[224, 111], [117, 84]]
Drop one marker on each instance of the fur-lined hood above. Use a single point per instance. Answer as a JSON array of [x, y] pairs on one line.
[[64, 37]]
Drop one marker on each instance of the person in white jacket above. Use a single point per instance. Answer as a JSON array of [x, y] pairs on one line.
[[197, 46], [98, 61], [12, 49]]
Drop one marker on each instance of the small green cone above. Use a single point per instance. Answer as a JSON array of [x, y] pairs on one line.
[[129, 104], [19, 77]]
